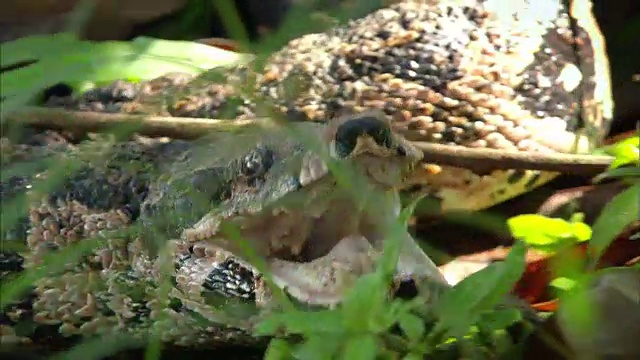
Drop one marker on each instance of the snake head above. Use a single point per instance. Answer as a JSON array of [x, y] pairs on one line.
[[368, 139]]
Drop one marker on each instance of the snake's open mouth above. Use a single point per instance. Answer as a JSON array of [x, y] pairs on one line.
[[332, 250], [317, 238]]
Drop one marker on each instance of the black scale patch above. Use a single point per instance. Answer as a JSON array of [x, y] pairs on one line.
[[231, 279]]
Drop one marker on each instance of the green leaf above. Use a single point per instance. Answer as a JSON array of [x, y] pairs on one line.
[[301, 322], [500, 319], [625, 152], [463, 305], [35, 47], [278, 350], [322, 347], [581, 231], [412, 326], [365, 302], [618, 173], [405, 214], [617, 214], [109, 61], [576, 312], [78, 62], [362, 347], [569, 266], [541, 231], [563, 283], [414, 356]]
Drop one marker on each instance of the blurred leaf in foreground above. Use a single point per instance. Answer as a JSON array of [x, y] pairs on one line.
[[462, 306], [621, 211], [62, 58]]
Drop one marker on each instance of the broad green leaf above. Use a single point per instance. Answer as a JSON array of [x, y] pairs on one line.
[[412, 326], [365, 302], [539, 230], [625, 152], [99, 62], [619, 173], [301, 322], [319, 347], [617, 214], [500, 319], [581, 231], [563, 283], [463, 305], [109, 61], [568, 270], [197, 54], [618, 147], [362, 347], [413, 356], [278, 350], [576, 312], [36, 47]]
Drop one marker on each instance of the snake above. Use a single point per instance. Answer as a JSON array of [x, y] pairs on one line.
[[503, 75]]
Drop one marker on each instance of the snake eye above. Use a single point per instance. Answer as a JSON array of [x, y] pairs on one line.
[[348, 133]]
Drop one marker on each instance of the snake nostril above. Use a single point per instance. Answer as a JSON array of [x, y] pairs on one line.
[[370, 125], [407, 289]]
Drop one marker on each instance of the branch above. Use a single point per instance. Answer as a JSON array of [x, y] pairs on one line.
[[90, 121], [481, 160], [489, 159]]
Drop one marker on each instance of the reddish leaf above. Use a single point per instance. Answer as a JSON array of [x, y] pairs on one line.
[[222, 43]]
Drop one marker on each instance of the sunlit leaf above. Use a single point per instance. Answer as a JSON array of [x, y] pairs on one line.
[[563, 283], [538, 230], [581, 231], [625, 152]]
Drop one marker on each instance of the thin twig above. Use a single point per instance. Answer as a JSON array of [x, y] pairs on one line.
[[481, 160], [89, 121], [486, 159]]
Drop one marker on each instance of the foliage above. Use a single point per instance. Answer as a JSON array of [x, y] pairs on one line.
[[549, 234], [626, 165], [64, 58], [626, 152]]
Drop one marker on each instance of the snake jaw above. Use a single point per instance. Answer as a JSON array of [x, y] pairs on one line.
[[325, 280], [320, 277]]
